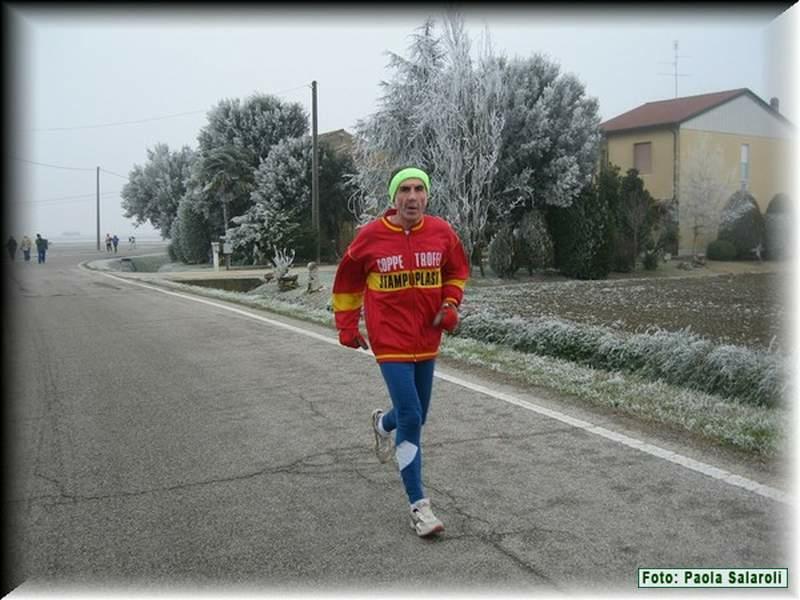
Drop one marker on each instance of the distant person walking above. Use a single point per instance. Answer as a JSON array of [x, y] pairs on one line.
[[11, 246], [26, 244], [132, 242], [41, 248], [115, 241], [108, 242]]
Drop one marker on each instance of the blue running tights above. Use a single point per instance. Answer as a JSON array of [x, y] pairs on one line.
[[410, 386]]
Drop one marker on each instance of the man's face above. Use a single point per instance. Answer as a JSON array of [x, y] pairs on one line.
[[410, 200]]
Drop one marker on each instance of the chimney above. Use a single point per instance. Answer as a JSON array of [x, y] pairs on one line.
[[775, 104]]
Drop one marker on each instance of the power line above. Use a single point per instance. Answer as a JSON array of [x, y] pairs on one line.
[[98, 126], [112, 173], [68, 168], [66, 198], [148, 119], [33, 162], [299, 87]]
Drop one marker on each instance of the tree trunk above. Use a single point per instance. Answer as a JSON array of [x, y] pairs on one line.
[[477, 259]]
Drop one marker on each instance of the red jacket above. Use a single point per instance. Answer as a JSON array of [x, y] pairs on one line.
[[401, 279]]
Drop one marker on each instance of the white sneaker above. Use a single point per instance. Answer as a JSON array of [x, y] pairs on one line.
[[384, 444], [423, 521]]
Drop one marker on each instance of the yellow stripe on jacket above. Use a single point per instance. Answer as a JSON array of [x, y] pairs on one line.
[[345, 301], [402, 280]]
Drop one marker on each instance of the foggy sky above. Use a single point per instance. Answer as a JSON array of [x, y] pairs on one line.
[[79, 68]]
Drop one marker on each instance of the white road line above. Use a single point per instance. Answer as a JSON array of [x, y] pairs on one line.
[[673, 457]]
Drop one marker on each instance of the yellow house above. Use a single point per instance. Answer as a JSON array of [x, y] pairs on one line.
[[699, 150]]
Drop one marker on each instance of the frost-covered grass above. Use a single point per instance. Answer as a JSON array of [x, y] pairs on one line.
[[754, 429], [295, 310], [150, 264], [678, 358]]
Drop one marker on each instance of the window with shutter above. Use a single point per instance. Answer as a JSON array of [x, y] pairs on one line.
[[642, 157], [744, 165]]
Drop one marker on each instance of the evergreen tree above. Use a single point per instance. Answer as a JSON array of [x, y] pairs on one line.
[[464, 111], [257, 124], [498, 137], [398, 133], [533, 244], [237, 138], [550, 138], [501, 253], [581, 235], [280, 212], [635, 216], [194, 236]]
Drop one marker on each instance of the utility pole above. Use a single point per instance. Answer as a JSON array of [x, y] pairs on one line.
[[98, 209], [314, 169], [674, 64]]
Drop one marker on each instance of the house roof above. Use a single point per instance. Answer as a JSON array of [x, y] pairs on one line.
[[340, 140], [675, 111]]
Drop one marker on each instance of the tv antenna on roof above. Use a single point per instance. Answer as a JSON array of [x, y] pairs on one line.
[[674, 64]]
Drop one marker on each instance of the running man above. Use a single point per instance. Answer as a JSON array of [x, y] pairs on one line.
[[408, 271]]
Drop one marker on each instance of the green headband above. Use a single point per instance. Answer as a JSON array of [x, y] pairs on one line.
[[409, 173]]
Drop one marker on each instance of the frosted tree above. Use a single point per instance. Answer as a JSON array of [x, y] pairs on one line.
[[238, 136], [464, 108], [550, 137], [498, 137], [280, 200], [155, 189], [443, 112], [258, 123], [399, 132], [705, 184], [261, 226], [280, 211], [223, 178]]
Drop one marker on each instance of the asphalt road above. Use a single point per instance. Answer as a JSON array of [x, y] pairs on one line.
[[165, 444]]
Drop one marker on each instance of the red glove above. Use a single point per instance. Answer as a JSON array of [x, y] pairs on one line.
[[447, 317], [352, 338]]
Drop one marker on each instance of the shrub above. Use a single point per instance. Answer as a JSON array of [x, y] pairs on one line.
[[501, 253], [679, 358], [721, 250], [778, 227], [666, 227], [652, 254], [742, 224], [533, 245], [779, 205]]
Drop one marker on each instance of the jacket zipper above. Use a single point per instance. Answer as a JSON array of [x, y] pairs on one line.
[[413, 294]]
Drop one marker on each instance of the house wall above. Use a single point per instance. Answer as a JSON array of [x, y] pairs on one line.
[[744, 116], [659, 182], [770, 171]]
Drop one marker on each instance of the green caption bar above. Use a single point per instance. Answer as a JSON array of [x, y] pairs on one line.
[[713, 578]]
